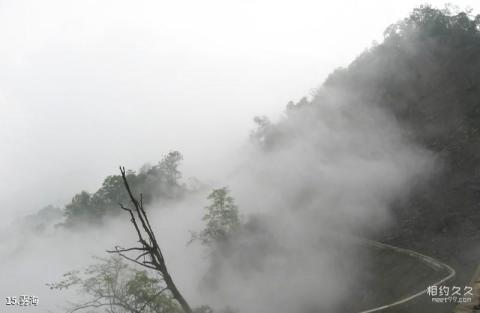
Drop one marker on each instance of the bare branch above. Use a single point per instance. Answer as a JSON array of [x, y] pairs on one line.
[[133, 260], [150, 248], [143, 254], [120, 249], [152, 298]]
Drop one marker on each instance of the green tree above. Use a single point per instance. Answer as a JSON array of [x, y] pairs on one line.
[[115, 287], [222, 218], [82, 209]]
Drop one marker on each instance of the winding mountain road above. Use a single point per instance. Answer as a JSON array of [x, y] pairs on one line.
[[434, 264]]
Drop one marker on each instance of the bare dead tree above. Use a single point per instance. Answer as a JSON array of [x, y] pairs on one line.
[[148, 254]]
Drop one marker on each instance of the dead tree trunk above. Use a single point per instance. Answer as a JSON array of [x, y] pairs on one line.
[[149, 250]]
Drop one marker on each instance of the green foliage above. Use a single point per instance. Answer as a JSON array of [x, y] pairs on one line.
[[429, 22], [112, 283], [84, 208], [222, 219], [158, 182]]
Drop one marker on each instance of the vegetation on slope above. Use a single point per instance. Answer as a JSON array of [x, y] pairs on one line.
[[426, 73]]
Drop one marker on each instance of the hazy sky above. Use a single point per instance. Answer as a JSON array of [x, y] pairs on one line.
[[88, 85]]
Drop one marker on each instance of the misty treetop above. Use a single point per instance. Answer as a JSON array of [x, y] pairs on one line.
[[426, 73], [160, 182], [221, 218]]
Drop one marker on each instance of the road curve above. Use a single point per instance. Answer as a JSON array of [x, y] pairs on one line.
[[423, 258]]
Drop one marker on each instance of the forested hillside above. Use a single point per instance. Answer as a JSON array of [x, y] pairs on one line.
[[426, 73]]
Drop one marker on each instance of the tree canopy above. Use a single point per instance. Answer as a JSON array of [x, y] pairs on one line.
[[159, 182]]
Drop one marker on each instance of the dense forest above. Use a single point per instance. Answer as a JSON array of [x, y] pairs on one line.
[[425, 73]]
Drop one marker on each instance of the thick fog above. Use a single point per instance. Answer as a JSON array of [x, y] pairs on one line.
[[88, 86], [332, 173], [85, 86]]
